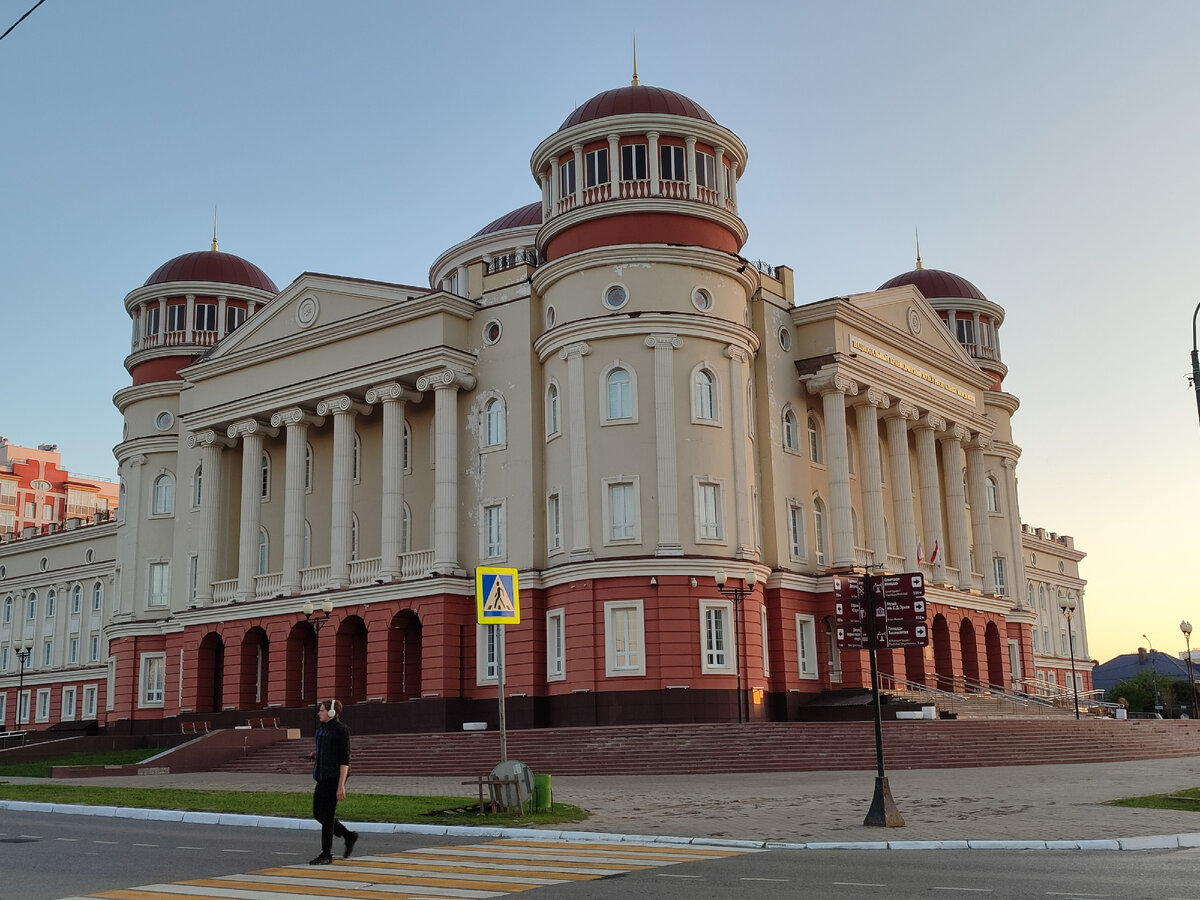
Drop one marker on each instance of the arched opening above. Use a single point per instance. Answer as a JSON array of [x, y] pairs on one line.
[[350, 661], [404, 656], [943, 655], [210, 673], [301, 666], [885, 661], [255, 658], [993, 649], [914, 665], [969, 648]]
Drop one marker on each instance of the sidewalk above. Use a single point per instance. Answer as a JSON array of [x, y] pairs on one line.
[[1014, 803]]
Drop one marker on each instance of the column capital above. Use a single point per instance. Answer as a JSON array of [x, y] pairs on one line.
[[832, 382], [874, 397], [579, 348], [979, 441], [956, 432], [295, 416], [340, 404], [449, 377], [663, 341], [393, 390], [1008, 462], [207, 438], [902, 409], [931, 421], [736, 353], [246, 427]]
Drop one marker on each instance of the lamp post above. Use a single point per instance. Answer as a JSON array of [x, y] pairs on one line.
[[1195, 361], [1186, 627], [748, 581], [316, 622], [1154, 675], [24, 649], [1067, 605]]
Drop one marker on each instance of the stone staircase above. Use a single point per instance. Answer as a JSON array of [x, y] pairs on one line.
[[769, 747]]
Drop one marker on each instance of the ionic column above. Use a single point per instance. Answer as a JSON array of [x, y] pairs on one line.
[[577, 149], [220, 317], [690, 162], [1016, 573], [928, 483], [343, 408], [555, 186], [720, 176], [191, 316], [251, 431], [211, 444], [833, 389], [896, 420], [746, 548], [445, 384], [981, 528], [664, 427], [546, 198], [393, 396], [866, 410], [297, 422], [956, 503], [614, 162], [652, 162], [581, 545]]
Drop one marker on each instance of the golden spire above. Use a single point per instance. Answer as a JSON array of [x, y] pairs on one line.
[[918, 234], [214, 246], [635, 81]]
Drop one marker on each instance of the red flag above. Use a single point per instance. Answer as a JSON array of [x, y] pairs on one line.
[[933, 557]]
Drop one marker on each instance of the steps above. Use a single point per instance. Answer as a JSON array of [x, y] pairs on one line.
[[768, 747]]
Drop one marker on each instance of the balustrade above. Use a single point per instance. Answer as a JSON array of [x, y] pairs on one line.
[[363, 571]]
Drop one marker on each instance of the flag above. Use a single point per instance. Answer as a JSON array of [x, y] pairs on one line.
[[920, 553], [933, 557]]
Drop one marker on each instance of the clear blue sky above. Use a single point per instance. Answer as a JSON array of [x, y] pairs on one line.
[[1048, 152]]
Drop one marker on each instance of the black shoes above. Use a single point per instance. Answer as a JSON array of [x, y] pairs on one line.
[[324, 859], [351, 840]]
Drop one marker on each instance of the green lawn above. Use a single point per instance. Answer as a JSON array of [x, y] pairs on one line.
[[107, 758], [1188, 800]]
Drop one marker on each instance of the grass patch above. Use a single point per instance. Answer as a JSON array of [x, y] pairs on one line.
[[355, 808], [1187, 800], [105, 758]]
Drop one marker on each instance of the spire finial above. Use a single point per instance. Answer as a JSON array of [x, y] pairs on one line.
[[214, 244], [635, 81], [918, 235]]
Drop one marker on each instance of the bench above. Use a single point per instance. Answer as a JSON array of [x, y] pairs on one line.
[[489, 801], [265, 722], [193, 727]]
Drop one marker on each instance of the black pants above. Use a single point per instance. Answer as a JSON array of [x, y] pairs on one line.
[[325, 811]]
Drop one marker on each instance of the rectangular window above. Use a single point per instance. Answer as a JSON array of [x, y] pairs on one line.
[[595, 166], [30, 509], [206, 317], [3, 659], [624, 654], [1033, 635], [622, 514], [966, 331], [73, 651], [554, 522], [159, 587], [998, 571], [709, 511], [706, 170], [234, 316], [95, 648], [89, 702], [493, 531], [154, 676], [68, 704], [8, 521], [48, 654], [152, 319], [4, 709], [566, 179], [487, 662], [716, 636], [48, 512], [177, 317], [633, 162], [797, 540], [766, 655], [556, 655], [43, 705], [193, 576], [23, 708], [806, 645], [730, 181], [8, 493], [672, 162]]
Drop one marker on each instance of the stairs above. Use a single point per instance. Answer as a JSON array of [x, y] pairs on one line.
[[768, 747]]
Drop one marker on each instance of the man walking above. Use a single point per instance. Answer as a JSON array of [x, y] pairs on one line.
[[329, 772]]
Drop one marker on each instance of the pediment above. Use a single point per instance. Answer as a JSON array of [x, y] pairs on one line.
[[906, 310]]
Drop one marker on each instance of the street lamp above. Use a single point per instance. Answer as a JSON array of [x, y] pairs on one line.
[[748, 581], [316, 623], [1067, 605], [1186, 628], [24, 649], [1154, 675], [1195, 360]]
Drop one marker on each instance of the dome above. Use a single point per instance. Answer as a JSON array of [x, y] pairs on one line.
[[521, 217], [936, 284], [212, 266], [636, 99]]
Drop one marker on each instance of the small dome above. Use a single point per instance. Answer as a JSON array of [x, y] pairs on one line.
[[212, 266], [636, 99], [935, 284], [521, 217]]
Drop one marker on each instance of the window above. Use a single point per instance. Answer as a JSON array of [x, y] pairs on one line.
[[152, 320], [68, 704], [618, 394], [566, 179], [73, 651], [94, 648], [77, 599], [797, 539], [89, 702], [97, 597], [623, 627], [407, 448], [264, 550], [163, 502], [23, 708], [8, 610], [1062, 643], [556, 660], [206, 317], [702, 299], [672, 163], [306, 550], [554, 540], [234, 317], [43, 705], [966, 332], [3, 709], [993, 495], [354, 536], [487, 638], [766, 656], [3, 663], [998, 572], [704, 391], [31, 606], [595, 167], [553, 423], [493, 530], [357, 461], [51, 603], [48, 653], [193, 576], [633, 162], [493, 423], [154, 676], [264, 477], [706, 170], [159, 587], [615, 296], [1033, 635], [814, 441], [710, 511], [819, 529], [8, 521], [716, 652], [621, 512], [405, 530], [197, 486], [177, 317]]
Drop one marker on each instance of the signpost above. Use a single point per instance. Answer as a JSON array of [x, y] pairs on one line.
[[497, 602]]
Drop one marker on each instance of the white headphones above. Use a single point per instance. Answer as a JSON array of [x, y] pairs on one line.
[[333, 708]]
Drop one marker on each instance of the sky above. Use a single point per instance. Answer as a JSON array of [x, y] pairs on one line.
[[1047, 152]]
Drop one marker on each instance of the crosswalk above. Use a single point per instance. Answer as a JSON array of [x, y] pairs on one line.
[[493, 869]]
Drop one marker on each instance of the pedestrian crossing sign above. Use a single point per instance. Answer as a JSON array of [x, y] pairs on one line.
[[496, 596]]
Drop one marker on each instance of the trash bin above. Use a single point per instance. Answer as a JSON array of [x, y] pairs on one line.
[[542, 795]]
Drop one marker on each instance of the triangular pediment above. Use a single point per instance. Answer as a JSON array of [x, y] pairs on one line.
[[907, 311]]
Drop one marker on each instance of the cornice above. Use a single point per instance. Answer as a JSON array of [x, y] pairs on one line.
[[683, 325], [35, 677], [474, 249], [35, 546], [549, 274], [139, 357], [199, 288], [138, 392], [695, 209], [166, 443], [1002, 399]]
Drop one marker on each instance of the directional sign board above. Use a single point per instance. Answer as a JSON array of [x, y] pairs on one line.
[[849, 587], [899, 604], [909, 584], [496, 596]]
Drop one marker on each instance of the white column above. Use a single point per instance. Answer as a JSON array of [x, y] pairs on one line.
[[746, 548], [720, 176], [897, 419], [931, 499], [690, 163], [833, 389], [652, 162], [297, 422], [867, 412], [393, 396], [251, 431], [191, 316], [1016, 563], [547, 205], [555, 187], [664, 430], [577, 149], [614, 163], [463, 278], [343, 408], [981, 528], [445, 384], [956, 503], [581, 546], [211, 444], [220, 317]]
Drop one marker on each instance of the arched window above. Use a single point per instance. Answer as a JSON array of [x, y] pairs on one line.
[[31, 606], [619, 392], [97, 597], [264, 548], [8, 610], [814, 440], [553, 425], [264, 487], [993, 495], [163, 495], [51, 603], [197, 480], [357, 458], [791, 430], [819, 529], [704, 387], [493, 419], [308, 468], [77, 598]]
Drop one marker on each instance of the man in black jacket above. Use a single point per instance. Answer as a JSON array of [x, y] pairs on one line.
[[330, 769]]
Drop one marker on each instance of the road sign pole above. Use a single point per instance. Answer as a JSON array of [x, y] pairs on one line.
[[500, 692], [883, 809]]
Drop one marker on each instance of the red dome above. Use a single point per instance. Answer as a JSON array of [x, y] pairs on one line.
[[936, 284], [212, 266], [518, 218], [636, 99]]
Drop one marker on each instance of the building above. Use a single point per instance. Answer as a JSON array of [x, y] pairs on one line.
[[596, 389], [39, 496]]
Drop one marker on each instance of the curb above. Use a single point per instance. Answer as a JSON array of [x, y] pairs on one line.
[[1149, 842]]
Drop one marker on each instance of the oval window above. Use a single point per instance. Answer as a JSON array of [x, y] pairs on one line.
[[785, 339]]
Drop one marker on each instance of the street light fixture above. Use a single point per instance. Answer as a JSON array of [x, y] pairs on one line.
[[1186, 627], [747, 588], [317, 622], [24, 650], [1067, 605]]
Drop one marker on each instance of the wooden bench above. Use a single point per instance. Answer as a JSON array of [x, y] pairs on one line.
[[194, 727], [266, 722], [489, 801]]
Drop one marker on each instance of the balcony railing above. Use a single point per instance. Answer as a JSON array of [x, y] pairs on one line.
[[641, 188]]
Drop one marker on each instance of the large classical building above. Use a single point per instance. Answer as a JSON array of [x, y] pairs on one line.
[[596, 389]]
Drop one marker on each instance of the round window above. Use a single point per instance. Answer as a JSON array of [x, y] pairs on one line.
[[43, 564], [702, 299], [491, 332], [164, 420], [551, 316], [785, 339], [615, 296]]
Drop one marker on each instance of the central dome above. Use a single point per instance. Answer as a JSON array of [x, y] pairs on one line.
[[212, 266], [936, 284], [636, 99]]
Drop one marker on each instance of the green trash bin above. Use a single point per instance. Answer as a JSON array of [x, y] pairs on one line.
[[542, 795]]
